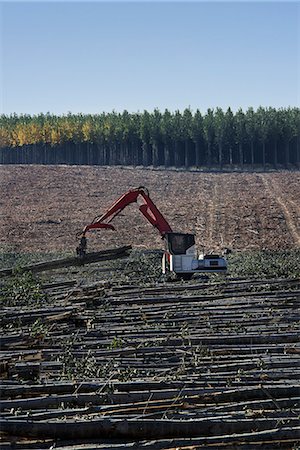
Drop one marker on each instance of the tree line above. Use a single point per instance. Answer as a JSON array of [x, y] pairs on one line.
[[264, 137]]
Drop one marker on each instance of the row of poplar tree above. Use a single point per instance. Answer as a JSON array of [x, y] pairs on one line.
[[266, 136]]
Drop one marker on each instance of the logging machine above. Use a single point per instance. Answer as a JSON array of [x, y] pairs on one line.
[[180, 255]]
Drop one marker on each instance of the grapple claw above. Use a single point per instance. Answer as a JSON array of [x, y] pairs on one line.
[[81, 249]]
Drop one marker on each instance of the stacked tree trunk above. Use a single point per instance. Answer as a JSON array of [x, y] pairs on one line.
[[201, 365], [89, 258]]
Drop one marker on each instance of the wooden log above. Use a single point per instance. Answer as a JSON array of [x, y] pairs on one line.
[[72, 261], [170, 288], [28, 316], [59, 284], [284, 438], [9, 390], [137, 429], [208, 395], [283, 403], [48, 389]]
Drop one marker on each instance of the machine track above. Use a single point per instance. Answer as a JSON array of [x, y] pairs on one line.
[[286, 205]]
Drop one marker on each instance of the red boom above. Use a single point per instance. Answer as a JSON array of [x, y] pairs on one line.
[[148, 209]]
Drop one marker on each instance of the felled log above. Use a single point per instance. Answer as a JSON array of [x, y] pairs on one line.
[[264, 440], [209, 396], [104, 255], [137, 429]]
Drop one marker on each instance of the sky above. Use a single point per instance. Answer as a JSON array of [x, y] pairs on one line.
[[90, 57]]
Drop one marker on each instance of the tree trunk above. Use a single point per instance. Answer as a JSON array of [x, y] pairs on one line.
[[89, 153], [177, 159], [264, 155], [115, 153], [44, 153], [275, 154], [167, 154], [220, 156], [118, 153], [146, 154], [139, 151], [252, 155], [136, 152], [107, 152], [132, 153], [287, 154], [79, 149], [71, 154], [197, 153], [84, 150], [104, 255], [241, 154], [122, 154], [298, 152], [230, 156], [155, 154], [187, 158], [112, 153], [146, 429], [209, 154], [128, 153]]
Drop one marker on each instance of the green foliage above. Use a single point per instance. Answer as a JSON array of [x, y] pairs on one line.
[[240, 126], [265, 264], [116, 343], [144, 267], [196, 127], [78, 367], [10, 258], [83, 367], [22, 290], [38, 329], [251, 125]]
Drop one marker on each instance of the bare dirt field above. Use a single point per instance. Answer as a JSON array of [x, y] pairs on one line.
[[42, 207]]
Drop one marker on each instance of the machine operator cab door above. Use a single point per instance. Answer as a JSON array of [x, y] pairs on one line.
[[180, 255], [181, 258], [180, 244]]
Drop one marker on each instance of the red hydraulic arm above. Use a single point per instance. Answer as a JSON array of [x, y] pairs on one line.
[[148, 209]]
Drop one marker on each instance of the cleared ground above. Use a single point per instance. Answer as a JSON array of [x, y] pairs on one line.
[[42, 207]]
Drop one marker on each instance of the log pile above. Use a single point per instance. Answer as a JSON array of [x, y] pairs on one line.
[[196, 365]]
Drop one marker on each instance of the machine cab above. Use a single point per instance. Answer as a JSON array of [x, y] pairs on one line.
[[180, 243]]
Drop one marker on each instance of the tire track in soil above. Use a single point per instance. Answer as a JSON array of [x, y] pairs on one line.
[[220, 227], [215, 216], [273, 190], [211, 218], [297, 208], [211, 214]]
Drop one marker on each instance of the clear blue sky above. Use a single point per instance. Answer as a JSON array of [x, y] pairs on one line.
[[91, 57]]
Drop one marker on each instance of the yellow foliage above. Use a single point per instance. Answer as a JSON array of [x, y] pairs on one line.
[[34, 134], [46, 133], [4, 137], [87, 130], [19, 136], [55, 136]]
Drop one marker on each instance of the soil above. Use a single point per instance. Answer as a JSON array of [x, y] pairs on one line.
[[43, 207]]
